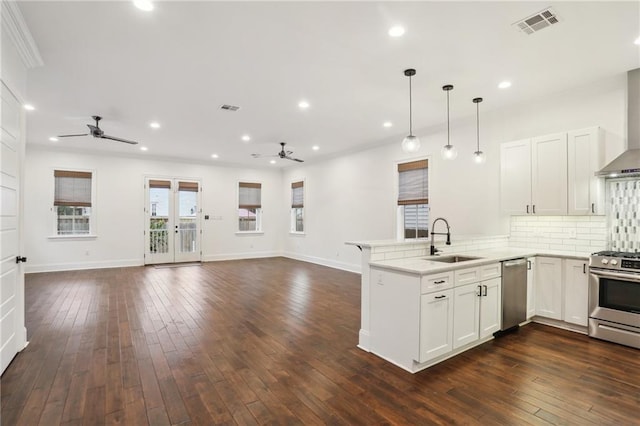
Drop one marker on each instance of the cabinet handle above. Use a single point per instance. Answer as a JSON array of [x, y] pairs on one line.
[[593, 207], [534, 209], [528, 265], [527, 208], [584, 268], [485, 290], [439, 282], [440, 297], [479, 292]]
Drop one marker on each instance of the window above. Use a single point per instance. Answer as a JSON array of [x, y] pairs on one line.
[[72, 202], [297, 207], [413, 199], [249, 207]]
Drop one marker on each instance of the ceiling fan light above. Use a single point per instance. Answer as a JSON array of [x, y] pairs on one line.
[[145, 5], [449, 152], [411, 144]]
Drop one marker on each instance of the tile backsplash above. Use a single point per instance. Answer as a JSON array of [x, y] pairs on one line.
[[623, 199], [567, 233]]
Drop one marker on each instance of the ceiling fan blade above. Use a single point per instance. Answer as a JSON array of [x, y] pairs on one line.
[[71, 136], [262, 156], [118, 139], [294, 159]]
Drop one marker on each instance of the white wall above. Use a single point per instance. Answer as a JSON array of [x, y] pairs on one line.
[[119, 215], [347, 198], [465, 194]]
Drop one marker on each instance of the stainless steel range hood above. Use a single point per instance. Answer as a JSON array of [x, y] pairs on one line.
[[628, 163]]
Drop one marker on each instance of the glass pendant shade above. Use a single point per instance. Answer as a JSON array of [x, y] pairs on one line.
[[410, 144], [449, 152], [479, 157]]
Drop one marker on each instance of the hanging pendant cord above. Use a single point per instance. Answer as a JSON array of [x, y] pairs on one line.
[[478, 125], [448, 131], [410, 111]]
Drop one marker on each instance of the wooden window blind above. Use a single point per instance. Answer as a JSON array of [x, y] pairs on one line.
[[413, 183], [188, 186], [249, 195], [159, 183], [297, 194], [72, 188]]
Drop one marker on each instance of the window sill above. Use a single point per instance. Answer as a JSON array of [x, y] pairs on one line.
[[297, 234], [249, 232], [72, 237]]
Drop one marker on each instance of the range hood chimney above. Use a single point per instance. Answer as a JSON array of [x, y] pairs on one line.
[[628, 163]]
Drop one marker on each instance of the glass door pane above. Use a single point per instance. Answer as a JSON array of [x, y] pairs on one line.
[[187, 212], [159, 207]]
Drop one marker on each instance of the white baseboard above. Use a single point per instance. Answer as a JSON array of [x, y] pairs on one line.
[[55, 267], [349, 267], [240, 256]]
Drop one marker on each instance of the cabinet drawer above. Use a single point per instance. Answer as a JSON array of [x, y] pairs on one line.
[[429, 283], [466, 276], [493, 270]]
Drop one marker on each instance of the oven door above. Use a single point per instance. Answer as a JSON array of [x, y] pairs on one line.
[[614, 297]]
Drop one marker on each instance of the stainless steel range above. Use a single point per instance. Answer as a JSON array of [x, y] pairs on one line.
[[614, 297]]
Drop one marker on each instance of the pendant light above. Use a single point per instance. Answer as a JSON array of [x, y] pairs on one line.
[[478, 156], [410, 143], [448, 152]]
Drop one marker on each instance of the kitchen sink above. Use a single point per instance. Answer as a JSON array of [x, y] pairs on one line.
[[452, 259]]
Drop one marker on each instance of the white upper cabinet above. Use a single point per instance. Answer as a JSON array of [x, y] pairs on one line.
[[515, 176], [549, 175], [585, 156]]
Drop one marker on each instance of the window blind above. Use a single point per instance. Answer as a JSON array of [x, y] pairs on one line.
[[72, 188], [159, 183], [249, 195], [297, 194], [188, 186], [413, 185]]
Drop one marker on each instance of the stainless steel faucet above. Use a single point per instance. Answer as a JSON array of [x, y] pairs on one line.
[[434, 250]]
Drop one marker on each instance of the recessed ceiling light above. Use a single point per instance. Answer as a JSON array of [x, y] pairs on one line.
[[145, 5], [246, 138], [214, 155], [154, 125], [143, 148], [28, 107], [53, 139], [273, 161], [303, 104], [504, 85], [396, 31], [315, 147], [387, 124], [637, 41]]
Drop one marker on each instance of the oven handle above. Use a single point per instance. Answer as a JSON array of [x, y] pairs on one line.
[[622, 276]]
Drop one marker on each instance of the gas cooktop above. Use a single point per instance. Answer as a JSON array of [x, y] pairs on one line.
[[619, 254]]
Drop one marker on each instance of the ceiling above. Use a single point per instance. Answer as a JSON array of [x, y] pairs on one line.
[[180, 62]]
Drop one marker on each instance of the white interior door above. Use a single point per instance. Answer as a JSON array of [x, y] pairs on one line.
[[12, 331], [172, 220]]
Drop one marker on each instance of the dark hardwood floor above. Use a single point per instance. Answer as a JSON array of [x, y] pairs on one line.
[[273, 341]]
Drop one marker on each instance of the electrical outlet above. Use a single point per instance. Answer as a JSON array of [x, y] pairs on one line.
[[572, 233]]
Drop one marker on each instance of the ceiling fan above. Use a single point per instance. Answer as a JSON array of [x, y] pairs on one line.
[[282, 154], [97, 132]]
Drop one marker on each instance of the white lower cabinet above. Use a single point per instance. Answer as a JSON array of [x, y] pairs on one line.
[[531, 293], [477, 311], [576, 292], [548, 287], [436, 324]]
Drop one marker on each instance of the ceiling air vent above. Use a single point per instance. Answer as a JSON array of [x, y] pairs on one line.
[[226, 107], [537, 22]]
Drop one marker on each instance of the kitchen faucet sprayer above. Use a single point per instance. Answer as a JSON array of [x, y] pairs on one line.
[[433, 249]]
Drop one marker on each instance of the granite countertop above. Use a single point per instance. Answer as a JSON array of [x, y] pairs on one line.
[[423, 265]]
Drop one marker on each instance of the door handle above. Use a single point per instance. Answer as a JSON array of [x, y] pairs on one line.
[[534, 209], [593, 207], [20, 259], [479, 292], [484, 293], [527, 208], [584, 268]]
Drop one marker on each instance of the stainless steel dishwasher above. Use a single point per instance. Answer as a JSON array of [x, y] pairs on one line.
[[514, 293]]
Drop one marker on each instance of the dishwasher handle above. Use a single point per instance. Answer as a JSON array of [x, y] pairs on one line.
[[515, 262]]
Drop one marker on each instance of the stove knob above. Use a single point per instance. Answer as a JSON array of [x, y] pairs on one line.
[[605, 261], [614, 262]]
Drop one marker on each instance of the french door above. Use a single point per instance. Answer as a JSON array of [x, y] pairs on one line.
[[172, 210]]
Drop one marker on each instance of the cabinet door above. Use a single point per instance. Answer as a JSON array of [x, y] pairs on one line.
[[549, 174], [490, 307], [576, 292], [549, 287], [515, 177], [436, 320], [466, 314], [531, 292], [585, 153]]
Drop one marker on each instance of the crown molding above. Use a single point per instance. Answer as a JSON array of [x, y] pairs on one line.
[[16, 28]]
